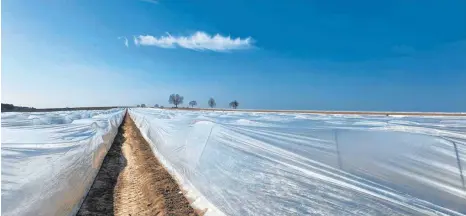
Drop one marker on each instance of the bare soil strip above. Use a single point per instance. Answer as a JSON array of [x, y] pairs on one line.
[[132, 181]]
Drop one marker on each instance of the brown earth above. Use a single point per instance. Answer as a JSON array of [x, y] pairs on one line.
[[132, 181]]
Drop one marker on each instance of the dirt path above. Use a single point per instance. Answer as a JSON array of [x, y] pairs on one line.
[[132, 182]]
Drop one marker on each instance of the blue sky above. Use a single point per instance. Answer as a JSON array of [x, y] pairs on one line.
[[321, 55]]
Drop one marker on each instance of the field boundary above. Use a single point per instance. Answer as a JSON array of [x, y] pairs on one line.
[[328, 112]]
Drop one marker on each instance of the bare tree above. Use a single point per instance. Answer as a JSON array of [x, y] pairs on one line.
[[234, 104], [192, 103], [156, 106], [175, 99], [212, 103]]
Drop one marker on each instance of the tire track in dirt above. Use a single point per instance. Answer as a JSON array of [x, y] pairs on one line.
[[132, 181]]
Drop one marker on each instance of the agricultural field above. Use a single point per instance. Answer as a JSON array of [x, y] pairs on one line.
[[254, 163], [233, 108], [232, 163], [50, 159]]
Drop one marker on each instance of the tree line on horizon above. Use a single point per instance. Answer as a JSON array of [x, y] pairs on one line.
[[10, 107], [177, 99]]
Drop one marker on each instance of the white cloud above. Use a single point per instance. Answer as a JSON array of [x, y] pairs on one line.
[[125, 40], [198, 41], [163, 41]]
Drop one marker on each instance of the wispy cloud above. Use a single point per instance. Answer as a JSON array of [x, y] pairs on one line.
[[198, 41], [125, 40], [151, 1]]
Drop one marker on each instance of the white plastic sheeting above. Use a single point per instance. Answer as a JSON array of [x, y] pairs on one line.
[[246, 163], [50, 159]]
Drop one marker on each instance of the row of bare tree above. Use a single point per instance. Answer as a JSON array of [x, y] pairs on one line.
[[177, 99]]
